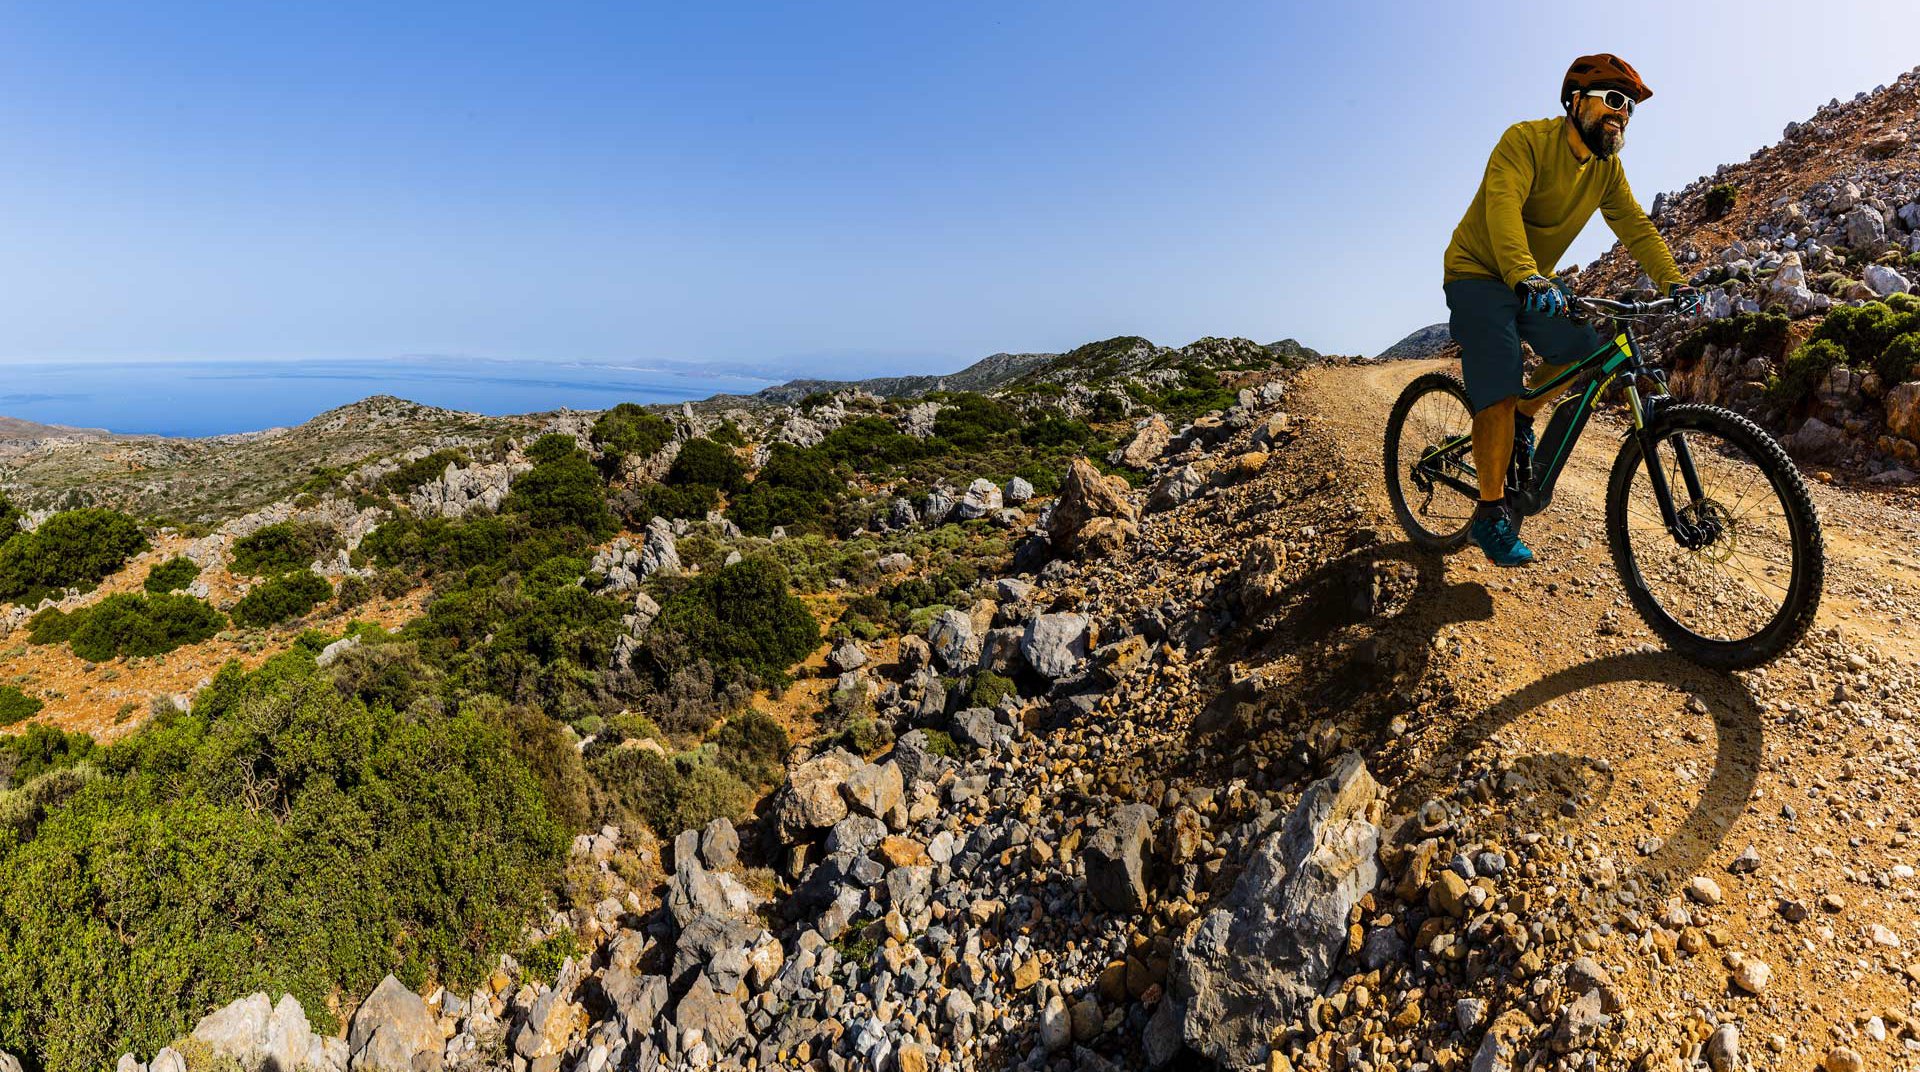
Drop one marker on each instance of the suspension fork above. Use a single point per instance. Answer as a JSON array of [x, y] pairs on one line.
[[1686, 533]]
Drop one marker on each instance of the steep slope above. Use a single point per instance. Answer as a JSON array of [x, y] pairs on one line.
[[1425, 342]]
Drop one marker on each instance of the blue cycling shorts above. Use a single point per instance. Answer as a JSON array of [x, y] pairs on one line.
[[1488, 320]]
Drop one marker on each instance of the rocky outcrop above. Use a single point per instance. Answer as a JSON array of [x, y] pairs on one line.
[[1092, 516], [1150, 439], [1261, 958]]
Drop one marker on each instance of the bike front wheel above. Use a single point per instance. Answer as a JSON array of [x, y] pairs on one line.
[[1426, 461], [1736, 580]]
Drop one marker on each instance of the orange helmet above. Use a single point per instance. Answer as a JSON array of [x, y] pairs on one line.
[[1603, 70]]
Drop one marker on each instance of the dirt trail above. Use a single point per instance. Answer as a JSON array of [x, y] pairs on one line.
[[1675, 769]]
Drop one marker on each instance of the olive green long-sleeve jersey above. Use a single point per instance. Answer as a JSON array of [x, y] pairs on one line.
[[1533, 202]]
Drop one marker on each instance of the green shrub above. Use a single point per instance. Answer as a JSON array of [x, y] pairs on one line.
[[1755, 334], [704, 462], [288, 545], [1895, 364], [627, 430], [1805, 368], [75, 547], [796, 489], [668, 795], [1056, 431], [1904, 302], [752, 747], [172, 575], [971, 421], [126, 624], [543, 959], [10, 518], [354, 591], [563, 489], [17, 706], [280, 599], [1864, 331], [53, 626], [1720, 199], [728, 434], [392, 583], [288, 839], [743, 619], [989, 689], [420, 471], [940, 743], [40, 749], [871, 444], [692, 501]]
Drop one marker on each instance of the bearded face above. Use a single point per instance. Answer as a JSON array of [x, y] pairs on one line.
[[1602, 129]]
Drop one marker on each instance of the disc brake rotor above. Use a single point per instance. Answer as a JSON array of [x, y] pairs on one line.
[[1714, 531]]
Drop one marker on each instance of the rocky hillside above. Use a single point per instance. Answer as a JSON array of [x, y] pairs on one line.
[[1821, 231], [1265, 789], [1426, 342]]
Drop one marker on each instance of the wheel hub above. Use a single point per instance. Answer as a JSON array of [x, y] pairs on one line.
[[1707, 526]]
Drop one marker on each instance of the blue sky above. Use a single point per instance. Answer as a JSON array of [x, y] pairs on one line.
[[824, 189]]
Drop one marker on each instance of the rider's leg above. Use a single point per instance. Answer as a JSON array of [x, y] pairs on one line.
[[1530, 406], [1493, 448]]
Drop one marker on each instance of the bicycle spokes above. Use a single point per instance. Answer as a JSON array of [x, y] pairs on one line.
[[1722, 567]]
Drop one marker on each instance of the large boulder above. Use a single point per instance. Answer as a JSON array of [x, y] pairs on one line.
[[811, 798], [1117, 859], [1176, 487], [1816, 440], [1883, 280], [1149, 441], [1054, 644], [953, 640], [393, 1029], [1086, 497], [1262, 957], [982, 498], [274, 1037], [719, 1017], [1903, 409]]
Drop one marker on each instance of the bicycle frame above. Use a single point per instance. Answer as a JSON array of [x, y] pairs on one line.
[[1450, 463]]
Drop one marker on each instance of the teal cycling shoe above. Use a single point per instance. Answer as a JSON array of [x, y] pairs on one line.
[[1495, 535]]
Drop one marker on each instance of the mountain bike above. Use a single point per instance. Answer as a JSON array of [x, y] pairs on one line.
[[1710, 525]]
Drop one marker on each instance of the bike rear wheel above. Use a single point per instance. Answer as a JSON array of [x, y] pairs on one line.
[[1742, 583], [1432, 410]]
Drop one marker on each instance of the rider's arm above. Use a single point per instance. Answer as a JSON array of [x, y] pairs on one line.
[[1509, 179], [1631, 225]]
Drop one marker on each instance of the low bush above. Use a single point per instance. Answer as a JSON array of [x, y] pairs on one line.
[[989, 688], [172, 575], [28, 755], [636, 507], [667, 794], [281, 599], [282, 837], [752, 747], [289, 545], [354, 591], [1805, 367], [71, 548], [1897, 362], [10, 518], [125, 624], [627, 430], [1720, 200], [1756, 334], [743, 619], [17, 706], [563, 489], [704, 462], [796, 490]]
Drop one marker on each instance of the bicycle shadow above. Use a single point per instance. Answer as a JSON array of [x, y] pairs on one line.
[[1740, 746], [1359, 635]]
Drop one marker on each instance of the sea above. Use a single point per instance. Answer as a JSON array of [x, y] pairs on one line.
[[202, 398]]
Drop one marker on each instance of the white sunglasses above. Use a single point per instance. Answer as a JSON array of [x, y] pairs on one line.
[[1612, 98]]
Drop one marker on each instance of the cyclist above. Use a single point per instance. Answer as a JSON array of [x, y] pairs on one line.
[[1543, 182]]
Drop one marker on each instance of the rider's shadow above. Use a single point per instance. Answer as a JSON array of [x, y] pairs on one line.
[[1360, 632]]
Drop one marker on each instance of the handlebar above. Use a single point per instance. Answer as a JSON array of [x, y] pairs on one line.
[[1633, 307]]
